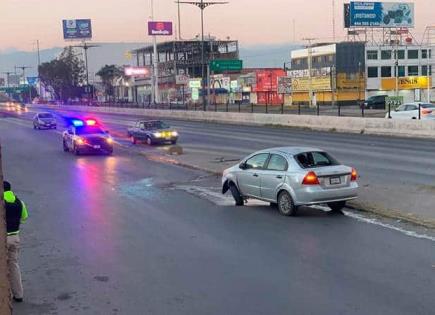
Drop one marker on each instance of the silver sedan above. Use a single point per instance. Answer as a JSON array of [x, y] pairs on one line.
[[291, 177]]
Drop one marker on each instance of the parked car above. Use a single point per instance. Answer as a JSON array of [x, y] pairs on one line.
[[290, 177], [44, 120], [153, 132], [410, 111], [375, 102]]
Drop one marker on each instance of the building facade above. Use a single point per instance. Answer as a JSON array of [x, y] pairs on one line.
[[413, 64], [179, 58]]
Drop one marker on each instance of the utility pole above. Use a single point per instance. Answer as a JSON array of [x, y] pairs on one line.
[[333, 21], [202, 5], [310, 63], [5, 305], [8, 73], [179, 20], [155, 76], [85, 47], [39, 65], [23, 68]]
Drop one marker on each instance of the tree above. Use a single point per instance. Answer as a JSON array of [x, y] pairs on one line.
[[107, 74], [65, 74]]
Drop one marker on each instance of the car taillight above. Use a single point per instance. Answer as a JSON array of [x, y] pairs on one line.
[[426, 111], [354, 175], [311, 179]]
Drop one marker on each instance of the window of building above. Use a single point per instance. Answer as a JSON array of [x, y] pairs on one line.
[[400, 54], [424, 70], [386, 54], [372, 54], [412, 70], [424, 53], [401, 70], [386, 72], [331, 58], [413, 54], [372, 72]]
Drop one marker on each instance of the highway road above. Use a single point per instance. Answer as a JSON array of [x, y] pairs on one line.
[[122, 235]]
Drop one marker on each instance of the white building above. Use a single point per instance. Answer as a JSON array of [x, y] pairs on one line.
[[414, 65]]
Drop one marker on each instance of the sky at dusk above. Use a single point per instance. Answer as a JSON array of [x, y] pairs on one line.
[[250, 21]]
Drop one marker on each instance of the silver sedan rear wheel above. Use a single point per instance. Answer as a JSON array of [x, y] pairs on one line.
[[286, 205]]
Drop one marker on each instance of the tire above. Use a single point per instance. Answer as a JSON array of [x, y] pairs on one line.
[[336, 207], [34, 126], [236, 195], [150, 141], [133, 140], [286, 205], [76, 151], [174, 142], [65, 147]]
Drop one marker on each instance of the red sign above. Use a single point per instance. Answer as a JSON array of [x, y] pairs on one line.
[[137, 72], [267, 79]]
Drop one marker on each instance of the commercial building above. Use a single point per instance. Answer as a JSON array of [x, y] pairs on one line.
[[332, 73], [178, 60], [413, 64]]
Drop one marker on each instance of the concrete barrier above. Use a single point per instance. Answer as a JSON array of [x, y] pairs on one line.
[[375, 126]]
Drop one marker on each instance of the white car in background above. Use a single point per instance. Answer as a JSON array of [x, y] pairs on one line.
[[410, 111]]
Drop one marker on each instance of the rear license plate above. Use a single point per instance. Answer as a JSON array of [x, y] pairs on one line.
[[97, 147], [335, 180]]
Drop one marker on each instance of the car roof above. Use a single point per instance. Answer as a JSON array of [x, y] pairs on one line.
[[291, 150], [149, 121], [417, 103], [44, 113]]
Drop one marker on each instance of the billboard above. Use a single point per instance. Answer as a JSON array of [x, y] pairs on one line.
[[77, 29], [406, 83], [317, 84], [381, 14], [137, 71], [285, 85], [159, 28]]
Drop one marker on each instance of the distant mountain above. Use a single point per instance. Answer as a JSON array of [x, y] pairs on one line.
[[267, 56], [255, 56], [107, 53]]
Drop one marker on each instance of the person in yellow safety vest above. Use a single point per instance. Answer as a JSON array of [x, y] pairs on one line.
[[16, 213]]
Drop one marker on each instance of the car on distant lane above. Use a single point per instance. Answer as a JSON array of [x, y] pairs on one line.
[[44, 121], [410, 111], [86, 136], [375, 102], [290, 177], [152, 132]]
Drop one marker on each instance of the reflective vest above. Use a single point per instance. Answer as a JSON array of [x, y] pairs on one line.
[[16, 212]]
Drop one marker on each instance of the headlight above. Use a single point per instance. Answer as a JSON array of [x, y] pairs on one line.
[[109, 140], [80, 141], [174, 133], [157, 134]]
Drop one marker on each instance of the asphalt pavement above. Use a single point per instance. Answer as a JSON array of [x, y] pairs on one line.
[[397, 174], [119, 235]]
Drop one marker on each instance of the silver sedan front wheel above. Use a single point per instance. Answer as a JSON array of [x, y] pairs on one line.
[[286, 205]]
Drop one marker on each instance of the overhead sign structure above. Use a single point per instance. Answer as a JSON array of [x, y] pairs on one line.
[[221, 65], [159, 28], [137, 71], [405, 83], [77, 29], [381, 14]]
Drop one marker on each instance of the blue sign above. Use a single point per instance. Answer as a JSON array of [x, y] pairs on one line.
[[381, 14], [77, 29], [32, 80]]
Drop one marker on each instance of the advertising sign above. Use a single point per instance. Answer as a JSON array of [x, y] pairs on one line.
[[195, 94], [77, 29], [195, 84], [14, 79], [381, 14], [220, 82], [234, 85], [158, 28], [136, 71], [181, 79], [405, 83], [267, 80], [317, 84], [32, 80], [284, 85]]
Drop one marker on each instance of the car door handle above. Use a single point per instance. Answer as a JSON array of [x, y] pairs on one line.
[[255, 175], [279, 177]]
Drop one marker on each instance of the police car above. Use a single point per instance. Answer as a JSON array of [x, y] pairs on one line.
[[87, 136]]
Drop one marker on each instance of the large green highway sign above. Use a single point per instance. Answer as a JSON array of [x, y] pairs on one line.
[[222, 65]]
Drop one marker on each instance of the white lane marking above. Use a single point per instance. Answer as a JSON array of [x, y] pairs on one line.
[[214, 196], [389, 226]]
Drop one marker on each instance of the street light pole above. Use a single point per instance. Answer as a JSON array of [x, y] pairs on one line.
[[310, 62], [155, 77], [39, 65], [202, 5]]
